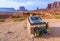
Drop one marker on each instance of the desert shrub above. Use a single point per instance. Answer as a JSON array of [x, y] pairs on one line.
[[47, 25], [1, 20]]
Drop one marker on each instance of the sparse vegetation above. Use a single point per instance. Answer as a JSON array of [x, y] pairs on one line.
[[18, 19], [57, 16], [2, 20]]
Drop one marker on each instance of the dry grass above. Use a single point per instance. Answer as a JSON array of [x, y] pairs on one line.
[[18, 19], [57, 16]]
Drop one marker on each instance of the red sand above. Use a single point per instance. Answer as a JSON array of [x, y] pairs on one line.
[[17, 31]]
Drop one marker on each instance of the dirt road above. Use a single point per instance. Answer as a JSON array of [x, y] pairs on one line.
[[17, 31]]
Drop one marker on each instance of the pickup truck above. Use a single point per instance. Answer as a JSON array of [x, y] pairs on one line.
[[36, 26]]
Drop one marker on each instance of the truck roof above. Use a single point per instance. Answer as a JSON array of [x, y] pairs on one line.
[[35, 20]]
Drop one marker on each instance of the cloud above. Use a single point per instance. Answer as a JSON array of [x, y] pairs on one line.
[[15, 4], [29, 4]]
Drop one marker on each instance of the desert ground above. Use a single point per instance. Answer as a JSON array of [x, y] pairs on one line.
[[17, 31]]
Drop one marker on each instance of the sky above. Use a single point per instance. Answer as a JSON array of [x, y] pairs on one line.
[[28, 4]]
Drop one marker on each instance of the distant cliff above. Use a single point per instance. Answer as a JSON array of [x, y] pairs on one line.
[[54, 5], [7, 9], [22, 8]]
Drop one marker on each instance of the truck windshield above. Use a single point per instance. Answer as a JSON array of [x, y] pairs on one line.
[[34, 18]]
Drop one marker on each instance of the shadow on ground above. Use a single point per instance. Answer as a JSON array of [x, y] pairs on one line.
[[55, 33]]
